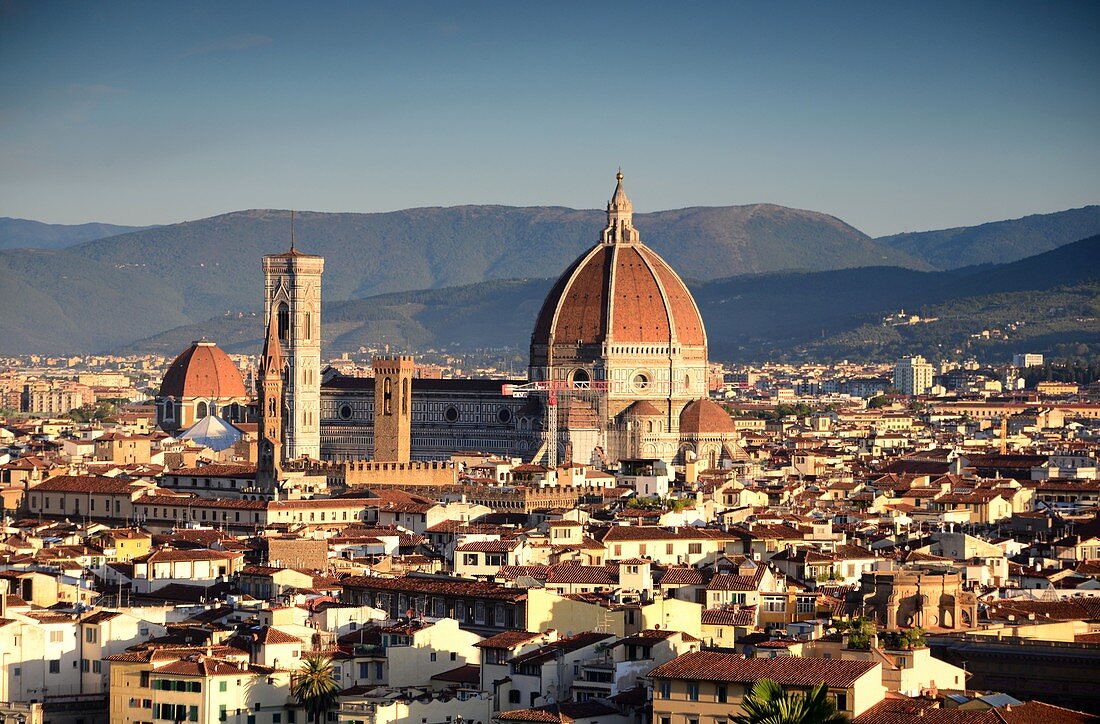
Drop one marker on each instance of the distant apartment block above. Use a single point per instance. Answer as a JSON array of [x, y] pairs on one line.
[[44, 398], [912, 375], [1028, 359]]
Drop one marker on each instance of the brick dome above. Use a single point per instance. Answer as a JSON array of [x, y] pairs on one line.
[[642, 408], [620, 291], [202, 370], [705, 417]]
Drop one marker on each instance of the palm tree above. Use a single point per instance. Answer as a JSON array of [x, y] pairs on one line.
[[767, 703], [315, 686]]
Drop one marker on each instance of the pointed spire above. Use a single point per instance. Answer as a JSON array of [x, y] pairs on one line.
[[619, 200], [292, 230], [272, 356]]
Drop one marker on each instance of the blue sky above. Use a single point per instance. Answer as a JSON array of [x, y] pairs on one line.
[[891, 116]]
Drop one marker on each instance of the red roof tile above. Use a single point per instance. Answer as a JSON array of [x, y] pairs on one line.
[[786, 671]]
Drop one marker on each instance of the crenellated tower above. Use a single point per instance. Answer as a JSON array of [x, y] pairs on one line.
[[393, 408]]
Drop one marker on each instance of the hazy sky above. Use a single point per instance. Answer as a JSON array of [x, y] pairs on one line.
[[893, 117]]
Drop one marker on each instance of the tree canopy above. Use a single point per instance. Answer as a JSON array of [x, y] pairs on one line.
[[767, 703], [315, 686]]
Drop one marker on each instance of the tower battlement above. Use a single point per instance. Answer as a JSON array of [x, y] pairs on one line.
[[394, 365]]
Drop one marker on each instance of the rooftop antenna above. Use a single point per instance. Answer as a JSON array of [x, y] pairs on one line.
[[292, 229]]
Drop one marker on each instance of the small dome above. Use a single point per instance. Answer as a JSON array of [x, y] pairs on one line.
[[704, 416], [202, 370], [642, 408], [212, 432]]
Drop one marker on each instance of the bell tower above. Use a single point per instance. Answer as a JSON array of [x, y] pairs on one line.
[[393, 408], [269, 452], [292, 304]]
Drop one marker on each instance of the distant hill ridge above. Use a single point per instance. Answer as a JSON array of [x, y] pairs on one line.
[[27, 234], [998, 242], [67, 300], [106, 293], [807, 315]]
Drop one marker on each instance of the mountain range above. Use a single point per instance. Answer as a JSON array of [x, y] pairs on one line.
[[27, 234], [998, 242], [1050, 299], [481, 272]]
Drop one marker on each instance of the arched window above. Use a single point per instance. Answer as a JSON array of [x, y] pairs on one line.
[[387, 396], [283, 320], [201, 410], [580, 376], [307, 326], [169, 410]]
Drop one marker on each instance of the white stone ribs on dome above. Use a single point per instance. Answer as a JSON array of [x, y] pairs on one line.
[[690, 296], [552, 338], [609, 334]]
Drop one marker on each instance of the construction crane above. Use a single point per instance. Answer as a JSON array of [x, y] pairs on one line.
[[555, 391]]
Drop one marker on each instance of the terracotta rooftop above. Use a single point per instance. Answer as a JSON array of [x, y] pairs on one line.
[[469, 674], [561, 646], [437, 585], [745, 616], [785, 671], [507, 640], [488, 546], [85, 484], [617, 533]]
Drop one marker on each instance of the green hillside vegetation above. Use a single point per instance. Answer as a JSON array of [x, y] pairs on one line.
[[494, 314], [1000, 241], [27, 234], [204, 268], [1060, 322], [55, 301], [1048, 303], [807, 279]]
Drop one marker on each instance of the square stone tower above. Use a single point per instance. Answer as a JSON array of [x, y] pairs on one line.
[[393, 408], [292, 299]]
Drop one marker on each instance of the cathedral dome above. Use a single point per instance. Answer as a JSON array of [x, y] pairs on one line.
[[705, 417], [619, 292], [202, 370]]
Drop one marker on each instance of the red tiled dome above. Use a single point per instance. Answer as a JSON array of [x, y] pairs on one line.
[[202, 370], [705, 416], [642, 408], [626, 291]]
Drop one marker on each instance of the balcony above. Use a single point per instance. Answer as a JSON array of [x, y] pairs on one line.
[[371, 650], [598, 663]]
